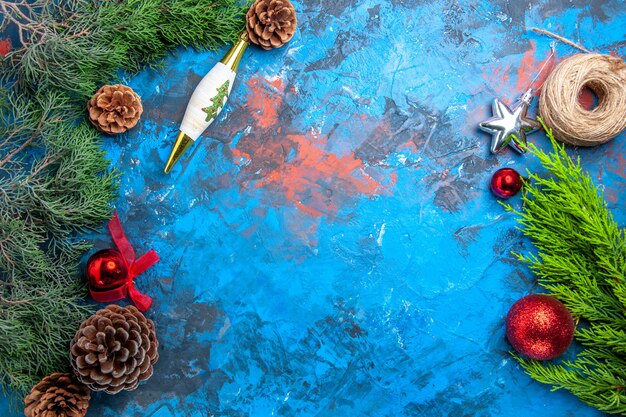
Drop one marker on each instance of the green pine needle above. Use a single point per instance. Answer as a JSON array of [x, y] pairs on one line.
[[55, 181], [78, 46], [581, 261]]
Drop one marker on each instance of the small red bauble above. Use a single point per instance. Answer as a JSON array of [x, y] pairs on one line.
[[539, 327], [506, 182], [106, 270], [5, 47]]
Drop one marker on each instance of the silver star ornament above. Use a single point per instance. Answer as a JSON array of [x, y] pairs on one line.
[[509, 126]]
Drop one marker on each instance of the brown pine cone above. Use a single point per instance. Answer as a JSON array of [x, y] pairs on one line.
[[271, 23], [57, 395], [115, 109], [114, 349]]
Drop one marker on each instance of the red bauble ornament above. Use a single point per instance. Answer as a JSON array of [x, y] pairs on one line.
[[111, 272], [106, 269], [539, 327], [506, 182], [5, 47]]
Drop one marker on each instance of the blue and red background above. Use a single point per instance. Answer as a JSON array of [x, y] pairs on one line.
[[330, 247]]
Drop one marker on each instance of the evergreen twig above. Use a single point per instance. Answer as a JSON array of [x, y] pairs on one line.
[[581, 260], [77, 46], [55, 182]]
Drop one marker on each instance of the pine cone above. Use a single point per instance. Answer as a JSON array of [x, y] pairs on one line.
[[114, 349], [115, 109], [57, 395], [271, 23]]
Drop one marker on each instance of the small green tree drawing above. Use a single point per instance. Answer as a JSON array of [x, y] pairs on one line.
[[218, 102]]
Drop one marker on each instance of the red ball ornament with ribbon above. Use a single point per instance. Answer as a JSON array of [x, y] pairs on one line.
[[539, 327], [111, 272], [506, 182]]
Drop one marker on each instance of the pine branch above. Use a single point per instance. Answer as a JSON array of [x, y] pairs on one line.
[[581, 260], [55, 182], [594, 386], [81, 52]]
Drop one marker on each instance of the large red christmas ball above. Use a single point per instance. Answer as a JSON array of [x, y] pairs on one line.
[[506, 182], [106, 270], [539, 327]]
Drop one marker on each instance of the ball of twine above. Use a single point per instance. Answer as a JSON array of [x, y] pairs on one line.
[[561, 110]]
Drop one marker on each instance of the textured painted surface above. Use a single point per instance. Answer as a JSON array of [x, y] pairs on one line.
[[331, 248]]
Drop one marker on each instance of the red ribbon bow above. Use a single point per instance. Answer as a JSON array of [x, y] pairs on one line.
[[134, 266]]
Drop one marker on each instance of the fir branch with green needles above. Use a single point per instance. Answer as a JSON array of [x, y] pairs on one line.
[[77, 46], [54, 184], [581, 260], [55, 181]]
